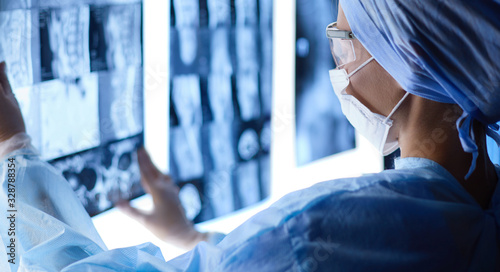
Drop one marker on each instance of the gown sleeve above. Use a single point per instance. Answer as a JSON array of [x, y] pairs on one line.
[[46, 228]]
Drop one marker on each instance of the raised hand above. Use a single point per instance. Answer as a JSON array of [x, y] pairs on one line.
[[167, 220]]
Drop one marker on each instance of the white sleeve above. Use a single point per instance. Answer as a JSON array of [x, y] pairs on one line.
[[17, 142], [46, 228]]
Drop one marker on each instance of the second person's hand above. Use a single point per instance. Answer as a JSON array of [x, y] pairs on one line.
[[168, 219]]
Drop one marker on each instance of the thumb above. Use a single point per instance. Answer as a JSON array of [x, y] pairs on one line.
[[132, 212]]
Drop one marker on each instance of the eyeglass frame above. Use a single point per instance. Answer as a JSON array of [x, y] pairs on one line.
[[338, 34]]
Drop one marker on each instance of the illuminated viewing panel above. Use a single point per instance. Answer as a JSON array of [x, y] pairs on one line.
[[220, 103], [76, 69]]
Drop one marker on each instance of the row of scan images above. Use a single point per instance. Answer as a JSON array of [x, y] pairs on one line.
[[196, 100], [215, 13], [223, 181], [65, 117], [196, 150], [224, 51], [69, 42]]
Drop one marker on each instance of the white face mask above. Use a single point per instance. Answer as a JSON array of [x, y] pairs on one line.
[[372, 126]]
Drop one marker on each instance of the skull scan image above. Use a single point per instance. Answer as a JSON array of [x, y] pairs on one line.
[[103, 178], [123, 36], [69, 116], [246, 12], [248, 144], [221, 146], [246, 49], [220, 12], [221, 97], [121, 172], [190, 200], [248, 95], [187, 99], [221, 60], [83, 174], [248, 183], [68, 37], [220, 192], [187, 13], [185, 145], [15, 46]]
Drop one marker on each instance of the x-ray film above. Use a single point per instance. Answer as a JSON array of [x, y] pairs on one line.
[[104, 175], [64, 34], [220, 103], [16, 46], [76, 70]]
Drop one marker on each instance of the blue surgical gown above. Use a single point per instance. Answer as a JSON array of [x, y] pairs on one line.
[[414, 218]]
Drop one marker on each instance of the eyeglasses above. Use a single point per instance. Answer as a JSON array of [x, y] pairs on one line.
[[341, 45]]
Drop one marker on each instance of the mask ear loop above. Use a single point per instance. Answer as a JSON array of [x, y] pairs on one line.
[[360, 67], [396, 107]]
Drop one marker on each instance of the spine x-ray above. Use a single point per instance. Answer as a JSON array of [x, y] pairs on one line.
[[76, 70], [321, 128], [220, 103]]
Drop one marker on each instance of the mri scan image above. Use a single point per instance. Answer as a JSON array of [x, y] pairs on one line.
[[219, 192], [266, 74], [105, 175], [265, 175], [64, 33], [220, 102], [16, 46], [187, 99], [77, 102], [116, 40], [248, 183], [220, 12], [186, 152], [120, 104], [248, 95], [247, 49], [246, 12], [220, 55], [187, 13], [188, 45], [248, 144], [221, 146], [76, 70], [221, 98], [190, 200]]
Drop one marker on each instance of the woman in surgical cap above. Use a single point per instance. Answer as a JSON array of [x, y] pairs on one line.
[[422, 75]]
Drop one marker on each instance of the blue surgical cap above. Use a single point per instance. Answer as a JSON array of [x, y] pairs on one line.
[[442, 50]]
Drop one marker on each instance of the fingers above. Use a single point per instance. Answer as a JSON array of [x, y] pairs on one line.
[[4, 81], [150, 174], [132, 212]]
